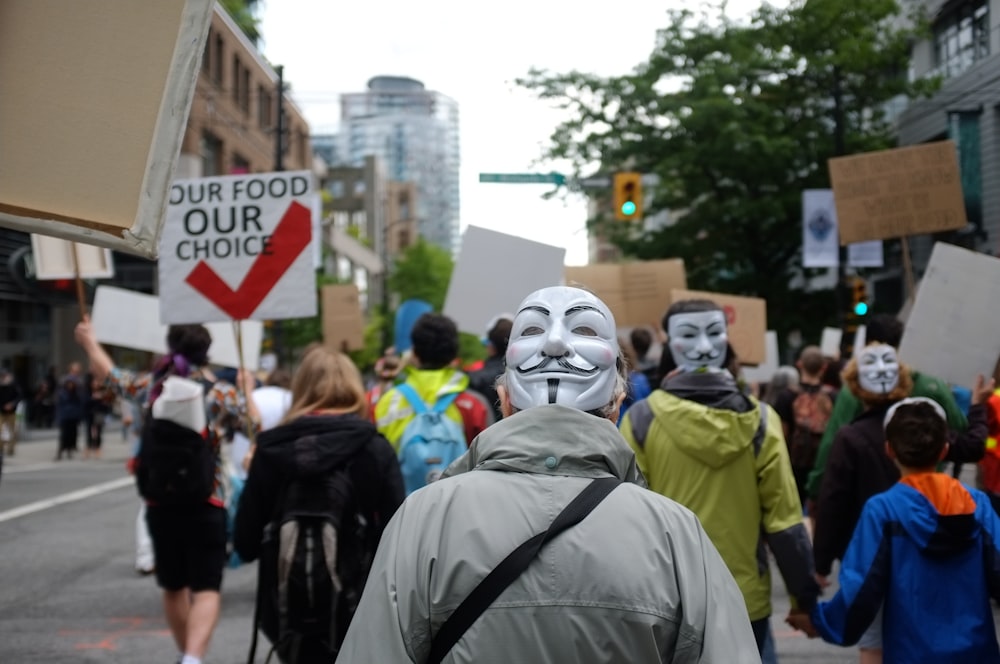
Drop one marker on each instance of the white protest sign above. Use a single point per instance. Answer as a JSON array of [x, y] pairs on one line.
[[53, 258], [860, 336], [130, 319], [951, 330], [865, 254], [494, 272], [238, 247], [764, 372], [830, 342]]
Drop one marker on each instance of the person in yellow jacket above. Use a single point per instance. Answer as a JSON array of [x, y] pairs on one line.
[[702, 441], [431, 374]]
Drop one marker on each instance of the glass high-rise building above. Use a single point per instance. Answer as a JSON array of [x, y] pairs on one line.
[[414, 133]]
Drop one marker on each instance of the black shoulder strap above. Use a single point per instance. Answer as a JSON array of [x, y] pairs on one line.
[[758, 436], [512, 566], [640, 416]]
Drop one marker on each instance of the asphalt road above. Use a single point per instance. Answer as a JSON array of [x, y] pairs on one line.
[[70, 593]]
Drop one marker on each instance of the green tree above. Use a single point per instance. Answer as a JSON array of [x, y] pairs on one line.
[[422, 272], [244, 14], [736, 120]]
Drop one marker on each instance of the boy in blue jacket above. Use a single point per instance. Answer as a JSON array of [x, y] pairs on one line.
[[926, 552]]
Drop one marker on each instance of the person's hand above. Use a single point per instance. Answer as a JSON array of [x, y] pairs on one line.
[[84, 333], [983, 390], [800, 621], [823, 581]]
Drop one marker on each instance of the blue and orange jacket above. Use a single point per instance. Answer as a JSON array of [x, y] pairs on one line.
[[929, 549]]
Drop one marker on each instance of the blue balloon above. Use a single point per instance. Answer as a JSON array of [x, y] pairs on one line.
[[406, 315]]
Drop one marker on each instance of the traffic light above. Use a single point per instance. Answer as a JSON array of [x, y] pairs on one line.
[[859, 297], [628, 196]]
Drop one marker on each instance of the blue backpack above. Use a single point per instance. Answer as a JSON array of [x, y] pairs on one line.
[[430, 442]]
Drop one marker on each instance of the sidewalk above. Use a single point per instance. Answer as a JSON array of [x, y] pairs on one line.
[[36, 446]]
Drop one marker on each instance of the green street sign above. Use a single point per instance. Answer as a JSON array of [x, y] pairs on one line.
[[524, 178]]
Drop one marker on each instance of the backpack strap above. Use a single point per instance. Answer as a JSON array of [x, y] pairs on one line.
[[444, 401], [412, 397], [640, 415], [512, 566], [758, 436]]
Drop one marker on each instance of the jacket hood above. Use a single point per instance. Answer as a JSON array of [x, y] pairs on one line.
[[939, 514], [547, 440], [436, 382], [314, 444], [709, 417]]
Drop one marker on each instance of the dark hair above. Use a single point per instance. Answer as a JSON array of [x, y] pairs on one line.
[[280, 378], [641, 339], [812, 360], [667, 363], [190, 341], [917, 434], [435, 341], [499, 336], [884, 328]]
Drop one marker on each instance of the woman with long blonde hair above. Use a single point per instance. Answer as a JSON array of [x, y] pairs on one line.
[[329, 451]]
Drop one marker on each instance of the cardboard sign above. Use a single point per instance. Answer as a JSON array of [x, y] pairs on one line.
[[130, 319], [53, 259], [637, 293], [747, 322], [343, 322], [238, 247], [830, 342], [494, 273], [95, 102], [764, 372], [951, 330], [895, 193]]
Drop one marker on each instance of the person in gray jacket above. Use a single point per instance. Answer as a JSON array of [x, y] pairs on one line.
[[636, 580]]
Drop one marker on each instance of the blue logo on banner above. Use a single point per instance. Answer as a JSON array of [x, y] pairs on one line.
[[820, 225]]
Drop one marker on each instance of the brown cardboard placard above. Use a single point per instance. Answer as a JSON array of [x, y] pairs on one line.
[[896, 193], [747, 322], [637, 293], [342, 319]]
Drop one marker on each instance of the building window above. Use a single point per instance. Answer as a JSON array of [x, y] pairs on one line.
[[264, 108], [359, 188], [961, 37], [244, 99], [211, 155], [206, 56], [217, 60], [336, 188], [240, 165]]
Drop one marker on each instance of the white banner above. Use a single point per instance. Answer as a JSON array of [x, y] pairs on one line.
[[238, 247], [830, 342], [131, 320], [820, 244], [764, 372], [494, 272], [951, 330], [865, 254]]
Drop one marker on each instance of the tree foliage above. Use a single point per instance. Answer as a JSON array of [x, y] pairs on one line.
[[736, 120], [422, 272], [243, 13]]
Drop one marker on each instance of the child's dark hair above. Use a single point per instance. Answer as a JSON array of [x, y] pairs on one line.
[[435, 341], [917, 434]]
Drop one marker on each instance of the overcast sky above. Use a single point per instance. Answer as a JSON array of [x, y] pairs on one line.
[[472, 52]]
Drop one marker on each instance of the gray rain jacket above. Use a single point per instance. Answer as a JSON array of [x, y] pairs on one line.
[[636, 581]]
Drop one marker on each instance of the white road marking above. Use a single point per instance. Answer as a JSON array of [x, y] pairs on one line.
[[70, 497]]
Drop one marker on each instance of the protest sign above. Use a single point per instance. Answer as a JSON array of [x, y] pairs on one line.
[[238, 247], [897, 193], [950, 332], [130, 319], [53, 259], [494, 272], [637, 293], [95, 102], [764, 372], [343, 322]]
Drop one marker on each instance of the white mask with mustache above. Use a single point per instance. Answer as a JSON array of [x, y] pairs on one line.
[[562, 349], [878, 369], [698, 339]]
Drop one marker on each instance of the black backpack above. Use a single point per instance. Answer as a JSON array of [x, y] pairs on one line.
[[176, 465], [314, 560]]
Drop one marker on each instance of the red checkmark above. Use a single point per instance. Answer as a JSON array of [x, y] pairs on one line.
[[290, 238]]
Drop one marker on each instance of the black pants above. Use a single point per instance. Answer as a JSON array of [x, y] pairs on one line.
[[67, 437]]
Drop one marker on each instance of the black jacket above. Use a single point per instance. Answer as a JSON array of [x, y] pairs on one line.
[[859, 468], [313, 445], [484, 381]]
